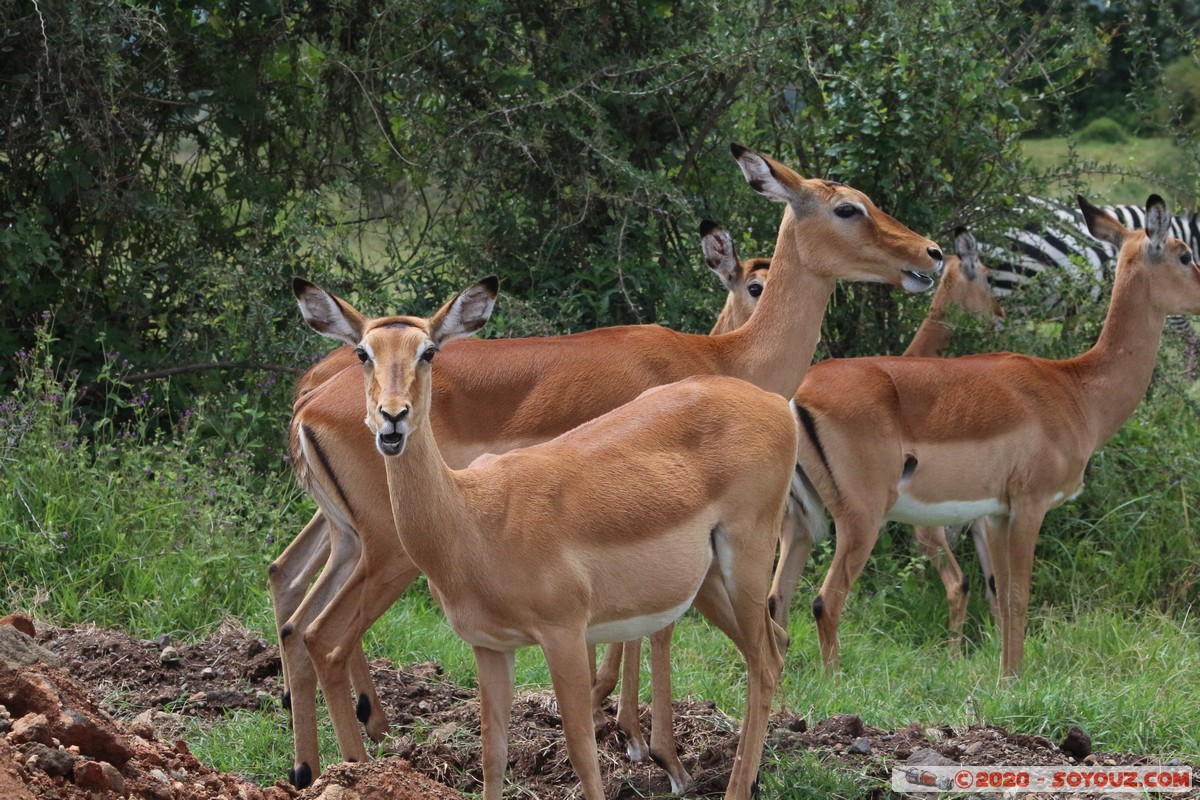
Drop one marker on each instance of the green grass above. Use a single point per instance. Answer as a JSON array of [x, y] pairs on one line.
[[1120, 173]]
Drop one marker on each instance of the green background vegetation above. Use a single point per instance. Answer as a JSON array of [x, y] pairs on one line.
[[165, 169]]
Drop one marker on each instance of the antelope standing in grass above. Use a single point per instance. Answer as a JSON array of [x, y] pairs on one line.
[[1002, 435], [607, 532]]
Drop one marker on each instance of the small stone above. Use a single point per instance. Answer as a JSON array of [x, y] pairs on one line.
[[1077, 743], [30, 728], [162, 640], [169, 655], [55, 763], [21, 622], [797, 725], [934, 735], [973, 749], [265, 700], [98, 776], [208, 672], [928, 757], [860, 746]]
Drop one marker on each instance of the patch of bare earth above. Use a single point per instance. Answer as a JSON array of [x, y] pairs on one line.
[[125, 744]]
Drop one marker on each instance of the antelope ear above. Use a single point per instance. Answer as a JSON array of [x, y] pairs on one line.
[[328, 314], [1101, 224], [967, 250], [772, 179], [466, 312], [719, 253], [1158, 222]]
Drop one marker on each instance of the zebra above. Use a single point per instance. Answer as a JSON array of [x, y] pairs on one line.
[[1057, 239], [1055, 248]]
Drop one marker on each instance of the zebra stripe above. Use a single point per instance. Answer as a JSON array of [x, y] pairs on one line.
[[1054, 234]]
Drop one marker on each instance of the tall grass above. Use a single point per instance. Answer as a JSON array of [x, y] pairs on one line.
[[134, 518]]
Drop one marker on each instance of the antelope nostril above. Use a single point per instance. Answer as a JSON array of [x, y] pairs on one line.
[[393, 418], [935, 253]]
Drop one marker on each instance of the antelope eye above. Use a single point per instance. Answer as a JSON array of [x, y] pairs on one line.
[[1186, 258], [362, 354], [428, 355], [846, 210], [754, 289]]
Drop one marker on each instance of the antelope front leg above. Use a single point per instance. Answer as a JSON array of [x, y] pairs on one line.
[[495, 669], [628, 706], [856, 539], [335, 637], [795, 546], [1015, 547], [567, 656], [937, 548]]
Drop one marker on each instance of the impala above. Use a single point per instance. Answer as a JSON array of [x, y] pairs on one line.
[[491, 396], [606, 532], [964, 286], [1006, 436]]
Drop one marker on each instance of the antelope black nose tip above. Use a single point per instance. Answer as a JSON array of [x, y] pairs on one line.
[[394, 418]]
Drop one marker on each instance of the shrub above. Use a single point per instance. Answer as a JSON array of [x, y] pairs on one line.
[[1104, 130]]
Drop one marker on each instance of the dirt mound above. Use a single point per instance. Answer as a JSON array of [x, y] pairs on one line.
[[58, 742]]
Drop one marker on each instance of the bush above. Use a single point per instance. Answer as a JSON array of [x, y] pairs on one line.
[[1104, 130]]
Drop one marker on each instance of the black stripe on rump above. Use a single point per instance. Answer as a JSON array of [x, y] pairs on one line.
[[311, 437], [810, 428]]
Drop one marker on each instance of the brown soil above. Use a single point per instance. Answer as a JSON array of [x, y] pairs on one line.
[[110, 711]]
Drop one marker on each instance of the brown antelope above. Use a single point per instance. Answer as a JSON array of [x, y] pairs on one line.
[[1002, 436], [491, 396], [604, 533], [964, 285]]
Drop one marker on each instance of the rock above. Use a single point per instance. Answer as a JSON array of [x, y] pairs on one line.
[[169, 655], [208, 672], [797, 725], [860, 746], [19, 650], [928, 757], [1077, 743], [336, 792], [30, 728], [21, 622], [53, 762], [973, 749], [162, 640], [98, 776], [224, 698]]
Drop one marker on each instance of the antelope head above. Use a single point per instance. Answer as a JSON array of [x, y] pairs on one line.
[[838, 231], [396, 352], [1166, 264]]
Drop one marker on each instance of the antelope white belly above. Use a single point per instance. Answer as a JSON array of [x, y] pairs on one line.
[[623, 630], [911, 511]]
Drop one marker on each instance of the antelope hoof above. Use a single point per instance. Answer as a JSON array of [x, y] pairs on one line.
[[301, 777]]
